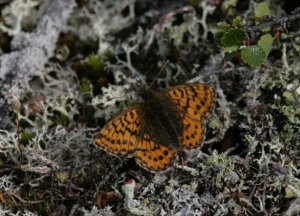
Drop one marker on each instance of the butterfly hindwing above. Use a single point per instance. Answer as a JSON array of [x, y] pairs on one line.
[[193, 134], [157, 159]]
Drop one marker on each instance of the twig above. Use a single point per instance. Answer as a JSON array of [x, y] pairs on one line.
[[158, 28], [38, 155], [276, 21], [16, 105], [25, 201], [19, 140], [71, 187]]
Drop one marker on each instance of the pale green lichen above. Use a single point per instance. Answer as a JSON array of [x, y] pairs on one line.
[[217, 167], [131, 205], [94, 211], [14, 14]]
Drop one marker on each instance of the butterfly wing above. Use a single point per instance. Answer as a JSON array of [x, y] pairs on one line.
[[196, 100], [196, 103], [120, 135], [157, 159], [126, 133], [193, 134]]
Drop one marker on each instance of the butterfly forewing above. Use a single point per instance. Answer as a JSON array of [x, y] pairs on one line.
[[195, 100], [119, 136]]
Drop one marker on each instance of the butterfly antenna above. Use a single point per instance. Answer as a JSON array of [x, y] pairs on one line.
[[161, 70]]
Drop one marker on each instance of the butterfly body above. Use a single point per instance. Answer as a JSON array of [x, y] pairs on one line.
[[156, 129], [161, 118]]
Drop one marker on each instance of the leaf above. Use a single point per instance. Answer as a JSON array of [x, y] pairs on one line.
[[218, 37], [232, 39], [253, 55], [266, 42], [262, 10], [237, 22], [228, 56], [104, 199], [223, 25], [289, 193]]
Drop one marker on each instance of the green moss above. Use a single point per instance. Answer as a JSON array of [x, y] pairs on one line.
[[41, 209], [95, 62], [26, 136], [85, 85], [61, 119]]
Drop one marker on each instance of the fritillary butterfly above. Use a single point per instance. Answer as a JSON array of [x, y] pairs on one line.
[[156, 129]]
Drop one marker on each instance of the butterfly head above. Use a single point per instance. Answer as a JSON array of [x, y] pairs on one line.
[[146, 93]]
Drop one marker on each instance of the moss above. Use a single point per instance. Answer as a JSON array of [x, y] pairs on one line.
[[26, 136], [85, 85]]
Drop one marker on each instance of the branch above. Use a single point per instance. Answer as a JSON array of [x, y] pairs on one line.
[[276, 21]]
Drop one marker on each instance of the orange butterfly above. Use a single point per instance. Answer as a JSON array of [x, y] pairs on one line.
[[155, 130]]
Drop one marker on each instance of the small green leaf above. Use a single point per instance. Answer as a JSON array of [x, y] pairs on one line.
[[231, 49], [262, 10], [253, 55], [218, 36], [232, 39], [266, 42]]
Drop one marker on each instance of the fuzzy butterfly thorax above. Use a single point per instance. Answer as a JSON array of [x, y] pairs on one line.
[[161, 119]]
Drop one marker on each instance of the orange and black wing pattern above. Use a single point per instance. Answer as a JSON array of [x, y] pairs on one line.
[[119, 136], [127, 133], [196, 103], [157, 159]]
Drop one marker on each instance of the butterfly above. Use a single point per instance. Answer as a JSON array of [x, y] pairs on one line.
[[155, 130]]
